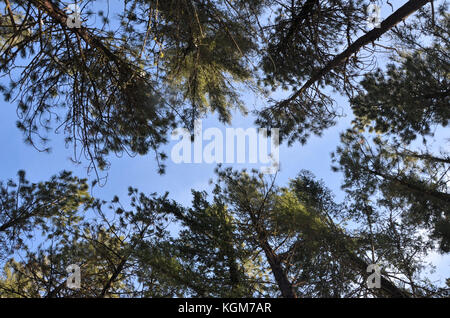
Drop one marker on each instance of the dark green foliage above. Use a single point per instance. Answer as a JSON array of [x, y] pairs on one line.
[[407, 101], [114, 91], [215, 260], [306, 35], [411, 97], [167, 63], [253, 239], [109, 245], [415, 183], [27, 208]]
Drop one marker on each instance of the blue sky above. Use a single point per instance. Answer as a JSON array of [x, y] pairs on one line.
[[141, 171]]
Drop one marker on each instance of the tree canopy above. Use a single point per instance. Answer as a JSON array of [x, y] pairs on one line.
[[126, 77], [253, 238]]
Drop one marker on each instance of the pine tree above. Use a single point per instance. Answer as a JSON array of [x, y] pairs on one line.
[[122, 90], [389, 156]]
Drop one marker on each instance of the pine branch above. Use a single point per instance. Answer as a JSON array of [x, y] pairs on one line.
[[398, 16]]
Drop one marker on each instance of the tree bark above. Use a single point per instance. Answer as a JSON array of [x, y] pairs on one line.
[[286, 288]]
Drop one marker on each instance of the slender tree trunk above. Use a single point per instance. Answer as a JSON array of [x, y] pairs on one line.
[[341, 250], [113, 277], [424, 157], [387, 287], [413, 188], [286, 288], [401, 14]]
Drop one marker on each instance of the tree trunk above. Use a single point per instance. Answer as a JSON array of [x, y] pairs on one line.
[[401, 14], [281, 278]]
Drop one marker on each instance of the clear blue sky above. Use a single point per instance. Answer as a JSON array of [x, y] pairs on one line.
[[141, 171]]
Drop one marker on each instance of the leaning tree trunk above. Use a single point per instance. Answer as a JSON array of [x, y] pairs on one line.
[[286, 288]]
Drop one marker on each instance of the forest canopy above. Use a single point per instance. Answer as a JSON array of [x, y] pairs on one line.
[[132, 71]]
